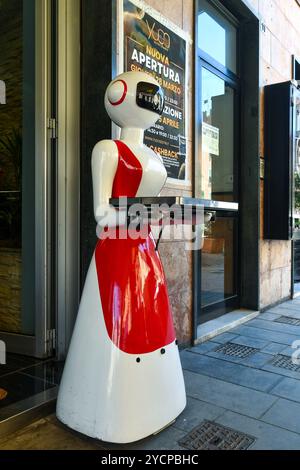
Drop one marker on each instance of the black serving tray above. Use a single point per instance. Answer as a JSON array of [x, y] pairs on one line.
[[193, 204]]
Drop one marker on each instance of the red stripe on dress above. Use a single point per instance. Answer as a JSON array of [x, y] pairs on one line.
[[131, 280], [129, 172]]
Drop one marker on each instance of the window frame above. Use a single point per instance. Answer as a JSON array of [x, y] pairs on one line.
[[208, 58]]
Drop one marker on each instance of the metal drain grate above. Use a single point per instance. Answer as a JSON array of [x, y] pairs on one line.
[[288, 320], [213, 436], [284, 362], [237, 350]]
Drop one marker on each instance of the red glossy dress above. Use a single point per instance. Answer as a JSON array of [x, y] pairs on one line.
[[132, 283]]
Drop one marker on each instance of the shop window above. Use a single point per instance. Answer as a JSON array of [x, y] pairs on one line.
[[217, 36]]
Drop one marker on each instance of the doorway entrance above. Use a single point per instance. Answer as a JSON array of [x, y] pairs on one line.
[[217, 172]]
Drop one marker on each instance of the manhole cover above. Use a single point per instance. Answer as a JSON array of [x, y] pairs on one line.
[[213, 436], [284, 362], [237, 350], [288, 320]]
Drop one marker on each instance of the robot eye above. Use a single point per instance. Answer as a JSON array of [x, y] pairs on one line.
[[150, 96]]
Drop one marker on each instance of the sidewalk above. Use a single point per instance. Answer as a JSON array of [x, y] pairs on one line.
[[244, 380]]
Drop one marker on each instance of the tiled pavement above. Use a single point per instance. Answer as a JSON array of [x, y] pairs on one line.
[[246, 394]]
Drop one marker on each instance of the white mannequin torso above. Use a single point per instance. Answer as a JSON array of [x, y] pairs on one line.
[[105, 160]]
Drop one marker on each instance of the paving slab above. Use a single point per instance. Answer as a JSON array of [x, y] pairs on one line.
[[271, 336], [204, 347], [226, 395], [289, 351], [290, 305], [285, 414], [257, 360], [273, 348], [196, 411], [275, 326], [230, 372], [269, 316], [283, 311], [287, 388], [251, 342], [225, 338], [268, 437]]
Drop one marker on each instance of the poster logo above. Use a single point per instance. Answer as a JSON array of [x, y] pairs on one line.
[[160, 37]]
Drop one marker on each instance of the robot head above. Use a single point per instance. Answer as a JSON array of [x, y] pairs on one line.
[[134, 99]]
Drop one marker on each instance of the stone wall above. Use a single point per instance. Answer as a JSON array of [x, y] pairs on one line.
[[280, 39]]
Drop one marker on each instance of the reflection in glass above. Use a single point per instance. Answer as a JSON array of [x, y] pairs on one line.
[[10, 164], [217, 261], [296, 198], [297, 169], [16, 157], [217, 36], [217, 168]]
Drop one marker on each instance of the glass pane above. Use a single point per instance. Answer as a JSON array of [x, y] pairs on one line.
[[17, 72], [218, 261], [217, 36], [297, 169], [217, 162]]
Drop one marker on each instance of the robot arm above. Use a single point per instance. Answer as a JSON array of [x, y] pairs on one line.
[[104, 166]]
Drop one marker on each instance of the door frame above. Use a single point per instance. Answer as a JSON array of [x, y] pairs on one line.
[[58, 243], [67, 272]]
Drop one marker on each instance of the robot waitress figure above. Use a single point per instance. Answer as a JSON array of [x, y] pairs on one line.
[[123, 379]]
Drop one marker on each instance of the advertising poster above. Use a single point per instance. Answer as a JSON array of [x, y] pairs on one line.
[[152, 47]]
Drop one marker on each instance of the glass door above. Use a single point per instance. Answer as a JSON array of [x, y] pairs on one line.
[[216, 169], [11, 152], [25, 176]]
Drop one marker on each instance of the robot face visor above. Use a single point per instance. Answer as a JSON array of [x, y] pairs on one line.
[[150, 96]]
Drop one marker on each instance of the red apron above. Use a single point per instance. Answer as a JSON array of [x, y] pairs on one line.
[[131, 280]]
